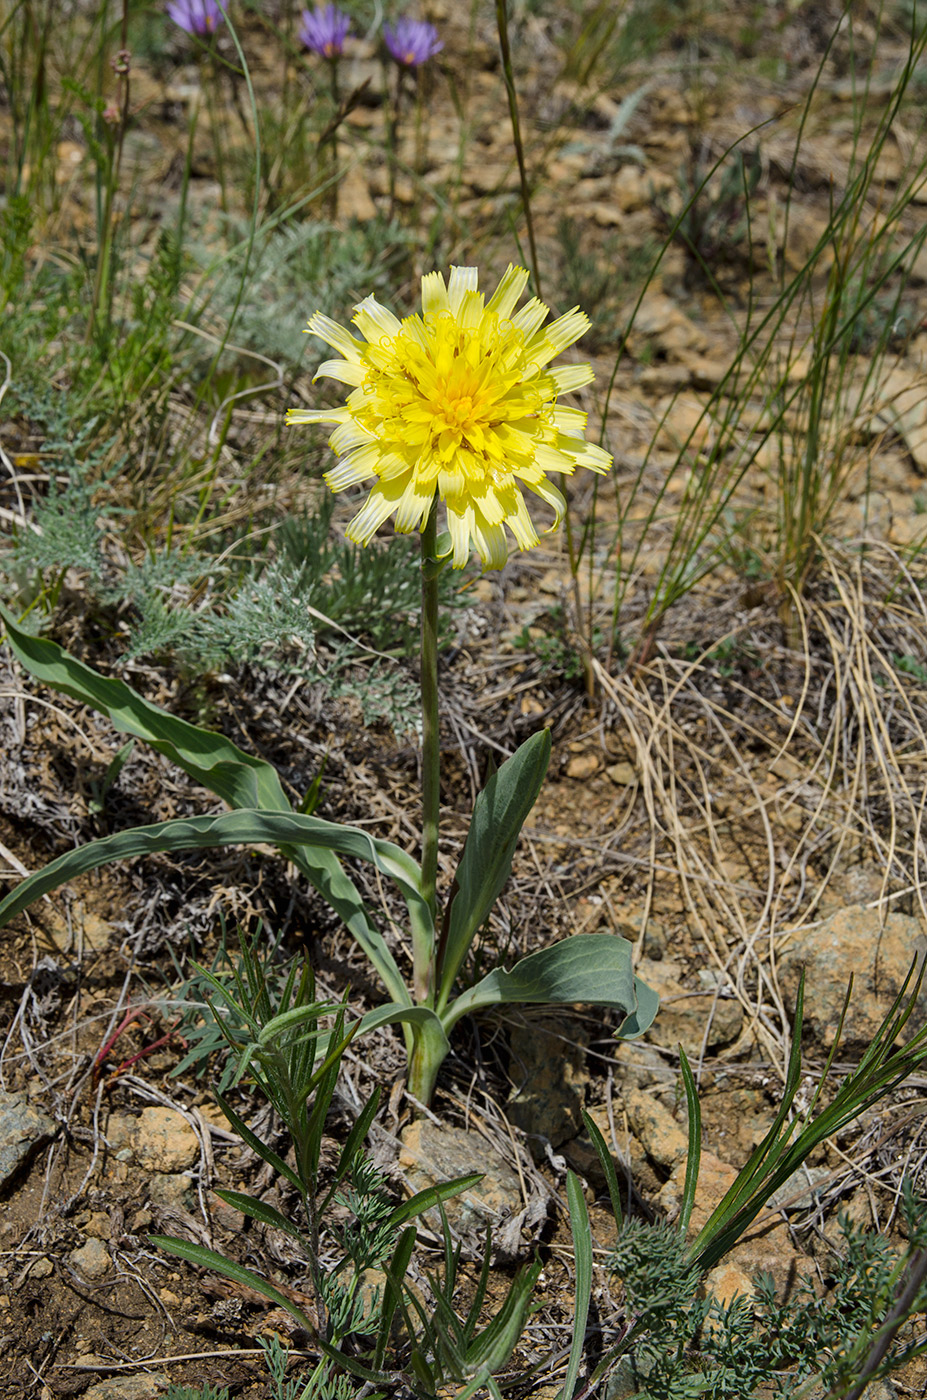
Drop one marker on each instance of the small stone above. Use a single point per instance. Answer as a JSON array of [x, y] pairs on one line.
[[798, 1191], [621, 774], [168, 1190], [686, 1015], [727, 1282], [91, 1259], [41, 1268], [665, 1141], [24, 1129], [583, 766], [99, 1225], [128, 1387], [165, 1141]]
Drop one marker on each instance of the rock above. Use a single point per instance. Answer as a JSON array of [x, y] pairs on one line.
[[621, 774], [583, 766], [686, 1015], [91, 1259], [128, 1387], [430, 1154], [876, 949], [665, 1140], [798, 1192], [549, 1069], [165, 1141], [728, 1281], [684, 421], [661, 326], [171, 1191], [878, 1390], [583, 1157], [24, 1129]]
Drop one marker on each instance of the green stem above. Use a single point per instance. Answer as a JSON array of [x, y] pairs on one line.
[[431, 748], [502, 24]]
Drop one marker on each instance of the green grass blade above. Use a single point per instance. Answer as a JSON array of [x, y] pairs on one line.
[[256, 1145], [582, 1252], [259, 1210], [433, 1196], [606, 1163], [693, 1157]]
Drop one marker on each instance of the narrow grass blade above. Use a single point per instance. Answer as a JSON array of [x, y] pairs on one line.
[[693, 1158], [606, 1163], [259, 1210], [392, 1294], [266, 1153], [582, 1252], [433, 1196]]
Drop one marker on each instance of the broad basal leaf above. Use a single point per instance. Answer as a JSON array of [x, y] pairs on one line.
[[282, 829], [498, 817], [238, 778], [591, 967]]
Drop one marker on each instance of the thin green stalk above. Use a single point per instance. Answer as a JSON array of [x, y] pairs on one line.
[[431, 746], [333, 137], [502, 24]]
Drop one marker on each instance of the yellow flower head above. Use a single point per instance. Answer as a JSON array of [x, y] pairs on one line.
[[460, 401]]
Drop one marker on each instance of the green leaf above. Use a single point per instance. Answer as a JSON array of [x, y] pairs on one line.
[[421, 1020], [606, 1163], [498, 817], [210, 1259], [590, 967], [494, 1345], [259, 1210], [254, 1142], [432, 1196], [282, 829], [392, 1294], [238, 778], [582, 1292]]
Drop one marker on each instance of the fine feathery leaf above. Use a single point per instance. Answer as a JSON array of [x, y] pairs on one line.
[[237, 777]]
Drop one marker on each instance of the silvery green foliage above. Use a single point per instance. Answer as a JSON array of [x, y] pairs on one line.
[[691, 1345], [196, 1392]]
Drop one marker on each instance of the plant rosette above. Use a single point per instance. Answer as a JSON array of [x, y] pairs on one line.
[[456, 406]]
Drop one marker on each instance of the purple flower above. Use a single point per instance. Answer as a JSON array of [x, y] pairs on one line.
[[412, 41], [324, 30], [200, 17]]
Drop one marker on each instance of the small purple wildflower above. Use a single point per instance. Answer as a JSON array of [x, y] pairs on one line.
[[324, 30], [201, 17], [412, 41]]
